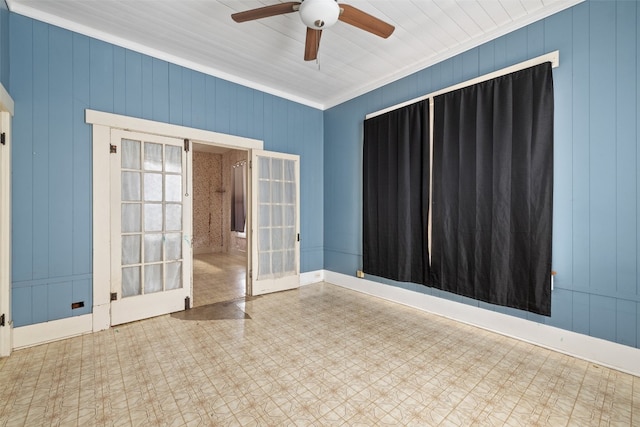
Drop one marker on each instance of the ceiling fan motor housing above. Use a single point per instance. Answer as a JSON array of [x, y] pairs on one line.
[[319, 14]]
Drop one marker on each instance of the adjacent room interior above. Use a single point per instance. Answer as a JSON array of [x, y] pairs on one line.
[[219, 235]]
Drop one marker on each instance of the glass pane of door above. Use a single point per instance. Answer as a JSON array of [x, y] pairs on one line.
[[275, 221], [157, 198]]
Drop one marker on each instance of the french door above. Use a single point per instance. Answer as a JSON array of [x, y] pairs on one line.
[[275, 222], [150, 226]]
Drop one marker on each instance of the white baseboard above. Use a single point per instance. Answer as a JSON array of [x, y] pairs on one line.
[[311, 277], [602, 352], [42, 333]]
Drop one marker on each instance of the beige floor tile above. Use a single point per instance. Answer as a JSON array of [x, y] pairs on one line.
[[317, 356]]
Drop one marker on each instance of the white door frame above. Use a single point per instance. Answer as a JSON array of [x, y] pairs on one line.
[[102, 124], [6, 112]]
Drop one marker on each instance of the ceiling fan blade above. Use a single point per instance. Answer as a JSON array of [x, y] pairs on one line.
[[266, 11], [312, 44], [364, 21]]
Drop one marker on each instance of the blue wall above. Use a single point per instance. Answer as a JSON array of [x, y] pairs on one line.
[[55, 75], [596, 191], [4, 44]]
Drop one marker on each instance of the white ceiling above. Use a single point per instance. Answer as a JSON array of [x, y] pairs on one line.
[[267, 54]]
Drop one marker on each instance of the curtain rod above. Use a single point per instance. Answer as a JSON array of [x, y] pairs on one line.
[[553, 57]]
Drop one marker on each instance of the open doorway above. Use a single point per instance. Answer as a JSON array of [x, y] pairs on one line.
[[219, 253]]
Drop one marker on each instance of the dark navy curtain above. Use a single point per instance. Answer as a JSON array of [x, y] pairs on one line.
[[238, 202], [493, 190], [396, 194]]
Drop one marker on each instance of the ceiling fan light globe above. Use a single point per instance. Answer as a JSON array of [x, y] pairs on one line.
[[319, 14]]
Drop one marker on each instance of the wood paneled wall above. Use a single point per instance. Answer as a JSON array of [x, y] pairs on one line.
[[596, 240], [55, 75]]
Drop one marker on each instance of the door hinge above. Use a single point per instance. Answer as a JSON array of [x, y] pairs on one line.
[[3, 138], [2, 320], [114, 296], [250, 164], [186, 144], [298, 237], [113, 149], [250, 274]]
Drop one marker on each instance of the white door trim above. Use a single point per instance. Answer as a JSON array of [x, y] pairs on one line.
[[6, 111], [166, 129], [5, 233], [102, 124]]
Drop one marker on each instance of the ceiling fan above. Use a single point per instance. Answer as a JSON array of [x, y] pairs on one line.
[[317, 15]]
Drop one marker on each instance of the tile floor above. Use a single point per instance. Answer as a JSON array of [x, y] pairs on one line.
[[320, 355], [218, 277]]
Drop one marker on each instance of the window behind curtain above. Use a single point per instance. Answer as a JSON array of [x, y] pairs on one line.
[[493, 189], [396, 194]]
